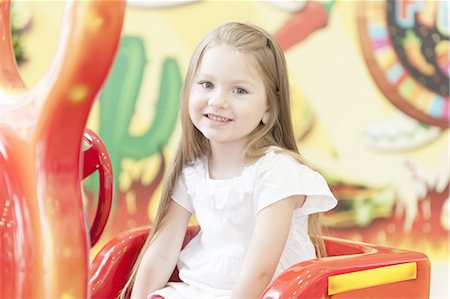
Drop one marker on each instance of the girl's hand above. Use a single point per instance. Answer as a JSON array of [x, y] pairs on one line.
[[266, 246]]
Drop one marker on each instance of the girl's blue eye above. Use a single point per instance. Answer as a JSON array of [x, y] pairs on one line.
[[207, 85], [240, 90]]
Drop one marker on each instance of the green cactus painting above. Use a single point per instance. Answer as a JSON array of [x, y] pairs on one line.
[[118, 103]]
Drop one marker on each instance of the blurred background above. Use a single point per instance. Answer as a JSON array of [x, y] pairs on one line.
[[370, 103]]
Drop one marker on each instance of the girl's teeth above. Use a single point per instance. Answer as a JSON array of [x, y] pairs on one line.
[[217, 118]]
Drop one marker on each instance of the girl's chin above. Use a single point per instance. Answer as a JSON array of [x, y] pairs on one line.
[[220, 140]]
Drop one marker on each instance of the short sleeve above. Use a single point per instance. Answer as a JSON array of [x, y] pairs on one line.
[[181, 196], [282, 177]]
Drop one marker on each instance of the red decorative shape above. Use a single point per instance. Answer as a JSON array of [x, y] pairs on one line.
[[44, 243], [312, 17]]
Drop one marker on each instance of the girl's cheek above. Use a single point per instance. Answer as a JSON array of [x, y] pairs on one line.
[[193, 109], [196, 99]]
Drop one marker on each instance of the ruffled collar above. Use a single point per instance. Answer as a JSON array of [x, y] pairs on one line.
[[220, 194], [208, 192]]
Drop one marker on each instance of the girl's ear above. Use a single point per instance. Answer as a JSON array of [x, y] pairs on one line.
[[265, 118]]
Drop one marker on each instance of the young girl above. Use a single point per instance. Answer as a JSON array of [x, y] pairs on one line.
[[238, 169]]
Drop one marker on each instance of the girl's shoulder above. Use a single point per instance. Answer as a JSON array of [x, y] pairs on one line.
[[282, 159], [282, 173], [286, 167]]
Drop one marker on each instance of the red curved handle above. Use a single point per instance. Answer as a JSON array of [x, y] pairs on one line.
[[96, 157]]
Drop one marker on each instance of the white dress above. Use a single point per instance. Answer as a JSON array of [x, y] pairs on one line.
[[226, 211]]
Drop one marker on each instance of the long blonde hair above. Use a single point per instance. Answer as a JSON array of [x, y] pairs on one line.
[[277, 131]]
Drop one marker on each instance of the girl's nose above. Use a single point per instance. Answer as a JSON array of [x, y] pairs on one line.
[[218, 100]]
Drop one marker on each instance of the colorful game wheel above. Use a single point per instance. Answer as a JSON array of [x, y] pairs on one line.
[[406, 47]]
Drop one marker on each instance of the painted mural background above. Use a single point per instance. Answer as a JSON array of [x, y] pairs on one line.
[[370, 86]]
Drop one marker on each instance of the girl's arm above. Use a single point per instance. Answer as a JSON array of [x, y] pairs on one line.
[[266, 246], [160, 258]]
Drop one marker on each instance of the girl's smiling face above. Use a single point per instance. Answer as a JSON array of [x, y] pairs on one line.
[[228, 96]]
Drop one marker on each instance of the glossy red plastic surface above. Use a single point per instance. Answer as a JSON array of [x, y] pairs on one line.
[[43, 237], [96, 157], [111, 268]]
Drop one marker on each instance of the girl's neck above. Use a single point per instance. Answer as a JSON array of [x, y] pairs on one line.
[[226, 161]]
